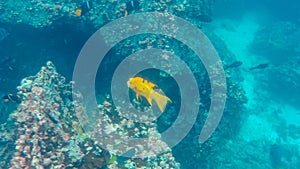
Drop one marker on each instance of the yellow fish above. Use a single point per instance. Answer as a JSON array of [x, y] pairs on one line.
[[78, 12], [145, 88]]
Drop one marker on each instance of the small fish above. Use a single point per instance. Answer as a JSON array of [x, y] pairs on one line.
[[12, 98], [78, 12], [146, 89], [260, 66], [84, 8], [234, 64]]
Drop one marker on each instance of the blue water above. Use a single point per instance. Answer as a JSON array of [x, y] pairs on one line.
[[258, 43]]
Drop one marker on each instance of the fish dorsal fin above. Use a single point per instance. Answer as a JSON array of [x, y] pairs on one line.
[[150, 84]]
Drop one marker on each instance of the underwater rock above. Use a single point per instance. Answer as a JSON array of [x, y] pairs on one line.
[[115, 131], [187, 152], [277, 41], [200, 10], [41, 14], [43, 132]]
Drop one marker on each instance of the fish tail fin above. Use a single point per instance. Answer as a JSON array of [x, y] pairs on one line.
[[161, 101]]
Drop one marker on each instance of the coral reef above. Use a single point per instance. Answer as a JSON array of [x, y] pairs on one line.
[[278, 43], [116, 133], [276, 40], [44, 132], [45, 13], [189, 152]]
